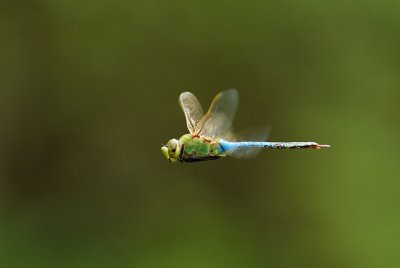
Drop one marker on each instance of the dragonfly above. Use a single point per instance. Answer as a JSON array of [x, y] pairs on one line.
[[211, 135]]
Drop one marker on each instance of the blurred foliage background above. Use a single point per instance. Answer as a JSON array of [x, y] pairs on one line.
[[88, 92]]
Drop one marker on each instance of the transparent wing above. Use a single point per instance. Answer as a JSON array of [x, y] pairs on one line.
[[254, 134], [192, 109], [217, 123]]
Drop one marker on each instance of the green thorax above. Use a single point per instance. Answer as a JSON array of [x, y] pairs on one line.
[[200, 147]]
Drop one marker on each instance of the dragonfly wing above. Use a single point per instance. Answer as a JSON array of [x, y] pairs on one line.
[[254, 134], [192, 109], [217, 123]]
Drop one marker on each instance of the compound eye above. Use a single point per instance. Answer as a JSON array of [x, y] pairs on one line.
[[172, 145]]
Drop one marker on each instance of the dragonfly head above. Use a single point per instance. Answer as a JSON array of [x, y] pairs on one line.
[[172, 150]]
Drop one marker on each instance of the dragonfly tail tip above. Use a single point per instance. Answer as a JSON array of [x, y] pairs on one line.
[[324, 146]]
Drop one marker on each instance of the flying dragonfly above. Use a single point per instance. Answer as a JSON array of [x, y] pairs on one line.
[[210, 135]]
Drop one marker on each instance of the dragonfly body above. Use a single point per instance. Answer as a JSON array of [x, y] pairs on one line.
[[211, 136]]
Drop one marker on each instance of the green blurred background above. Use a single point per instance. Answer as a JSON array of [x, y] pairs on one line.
[[88, 92]]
